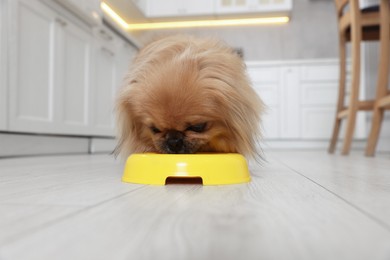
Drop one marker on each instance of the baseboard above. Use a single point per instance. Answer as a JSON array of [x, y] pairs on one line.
[[102, 145], [383, 144], [24, 145], [304, 144]]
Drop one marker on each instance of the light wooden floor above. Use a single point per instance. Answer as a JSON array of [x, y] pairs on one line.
[[299, 205]]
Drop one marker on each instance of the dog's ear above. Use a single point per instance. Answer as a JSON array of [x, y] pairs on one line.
[[123, 120], [128, 126], [242, 110]]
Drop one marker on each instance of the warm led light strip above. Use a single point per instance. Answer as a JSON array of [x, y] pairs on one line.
[[207, 23], [114, 15], [187, 24]]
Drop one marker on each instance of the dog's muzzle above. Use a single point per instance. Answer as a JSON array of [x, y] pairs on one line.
[[174, 142]]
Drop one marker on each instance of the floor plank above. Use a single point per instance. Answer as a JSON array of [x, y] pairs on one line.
[[60, 180], [363, 182], [17, 221], [281, 214]]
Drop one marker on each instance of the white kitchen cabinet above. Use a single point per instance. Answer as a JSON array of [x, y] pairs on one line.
[[155, 9], [126, 53], [112, 58], [172, 8], [290, 102], [318, 97], [57, 76], [224, 7], [301, 99], [271, 122], [3, 64], [267, 82], [103, 91], [32, 79], [317, 122], [87, 10], [72, 78], [49, 72]]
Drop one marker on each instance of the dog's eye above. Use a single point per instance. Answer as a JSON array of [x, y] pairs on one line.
[[198, 128], [155, 130]]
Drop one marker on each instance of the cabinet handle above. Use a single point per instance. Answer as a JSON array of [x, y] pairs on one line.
[[105, 35], [108, 51], [61, 22]]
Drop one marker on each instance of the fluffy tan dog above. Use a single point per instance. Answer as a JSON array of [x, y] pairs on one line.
[[187, 95]]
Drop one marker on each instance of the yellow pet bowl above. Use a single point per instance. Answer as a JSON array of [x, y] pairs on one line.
[[210, 169]]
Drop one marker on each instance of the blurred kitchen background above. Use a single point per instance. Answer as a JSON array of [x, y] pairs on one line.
[[62, 61]]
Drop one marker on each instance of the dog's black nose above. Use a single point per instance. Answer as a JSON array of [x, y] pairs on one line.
[[174, 142]]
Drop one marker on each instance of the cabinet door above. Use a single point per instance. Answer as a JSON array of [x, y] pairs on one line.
[[252, 6], [318, 90], [317, 122], [104, 87], [269, 93], [177, 8], [3, 80], [199, 7], [270, 123], [104, 91], [168, 9], [112, 59], [266, 82], [231, 7], [290, 104], [125, 56], [31, 67], [73, 55]]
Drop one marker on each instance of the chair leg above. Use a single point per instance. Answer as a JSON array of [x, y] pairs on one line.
[[341, 94], [351, 121], [335, 134], [354, 98], [383, 79], [375, 131]]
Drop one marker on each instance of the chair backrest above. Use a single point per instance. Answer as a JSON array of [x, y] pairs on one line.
[[340, 4], [354, 6]]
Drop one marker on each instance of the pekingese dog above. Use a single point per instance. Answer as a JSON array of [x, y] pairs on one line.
[[188, 95]]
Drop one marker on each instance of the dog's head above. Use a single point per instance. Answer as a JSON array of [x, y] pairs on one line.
[[186, 95]]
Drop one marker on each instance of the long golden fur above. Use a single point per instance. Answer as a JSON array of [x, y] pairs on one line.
[[186, 95]]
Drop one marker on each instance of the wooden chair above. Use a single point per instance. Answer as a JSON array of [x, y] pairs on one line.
[[382, 100], [355, 25]]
